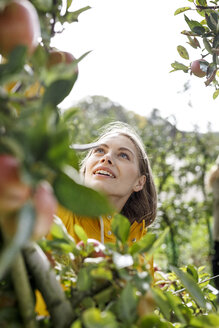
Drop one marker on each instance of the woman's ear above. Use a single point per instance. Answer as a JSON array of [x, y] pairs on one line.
[[139, 183]]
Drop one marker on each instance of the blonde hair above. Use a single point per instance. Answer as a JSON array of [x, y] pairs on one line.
[[141, 205]]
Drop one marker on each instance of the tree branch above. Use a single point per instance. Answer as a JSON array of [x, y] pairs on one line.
[[207, 7], [59, 307], [23, 291]]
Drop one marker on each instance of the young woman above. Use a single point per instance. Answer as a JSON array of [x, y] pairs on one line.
[[119, 167]]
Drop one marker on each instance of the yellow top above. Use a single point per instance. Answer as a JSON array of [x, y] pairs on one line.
[[92, 227]]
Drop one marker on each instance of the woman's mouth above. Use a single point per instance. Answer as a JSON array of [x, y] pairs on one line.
[[104, 172]]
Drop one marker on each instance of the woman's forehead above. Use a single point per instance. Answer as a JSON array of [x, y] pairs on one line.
[[119, 140]]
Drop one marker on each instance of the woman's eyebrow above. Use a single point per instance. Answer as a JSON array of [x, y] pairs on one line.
[[120, 148], [127, 149]]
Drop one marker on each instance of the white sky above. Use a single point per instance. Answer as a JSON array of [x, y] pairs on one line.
[[133, 44]]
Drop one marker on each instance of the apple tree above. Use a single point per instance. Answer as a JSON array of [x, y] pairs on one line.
[[202, 27], [82, 286]]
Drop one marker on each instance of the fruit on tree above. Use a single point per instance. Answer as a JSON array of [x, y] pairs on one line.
[[199, 67], [57, 57], [97, 249], [45, 205], [13, 192], [19, 25]]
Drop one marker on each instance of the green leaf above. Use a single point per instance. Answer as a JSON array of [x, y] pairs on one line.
[[207, 45], [58, 91], [161, 301], [144, 244], [59, 231], [179, 67], [101, 273], [76, 197], [181, 10], [215, 94], [71, 17], [76, 324], [80, 233], [191, 286], [127, 305], [205, 321], [15, 64], [26, 220], [174, 302], [183, 52], [212, 22], [43, 5], [159, 241], [152, 321], [94, 318], [84, 281], [121, 227], [195, 26], [201, 2], [192, 271]]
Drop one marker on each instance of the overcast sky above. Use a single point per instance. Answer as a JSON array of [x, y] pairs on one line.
[[133, 44]]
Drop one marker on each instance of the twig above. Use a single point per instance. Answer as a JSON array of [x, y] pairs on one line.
[[23, 291], [207, 7]]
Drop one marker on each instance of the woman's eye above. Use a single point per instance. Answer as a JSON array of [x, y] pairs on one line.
[[99, 150], [124, 155]]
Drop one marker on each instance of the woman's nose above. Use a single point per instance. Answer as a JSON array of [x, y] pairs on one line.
[[106, 159]]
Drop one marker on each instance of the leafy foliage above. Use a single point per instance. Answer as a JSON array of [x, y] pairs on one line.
[[202, 35]]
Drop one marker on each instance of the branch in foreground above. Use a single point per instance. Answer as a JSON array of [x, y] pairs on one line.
[[23, 291], [45, 280]]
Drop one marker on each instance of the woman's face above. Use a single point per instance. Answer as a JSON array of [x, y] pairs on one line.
[[113, 168]]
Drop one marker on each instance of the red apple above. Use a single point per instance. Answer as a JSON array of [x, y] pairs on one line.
[[57, 57], [97, 249], [199, 67], [45, 204], [19, 25], [13, 192]]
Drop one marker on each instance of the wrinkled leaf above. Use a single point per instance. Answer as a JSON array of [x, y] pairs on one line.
[[181, 10], [183, 52], [178, 66]]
